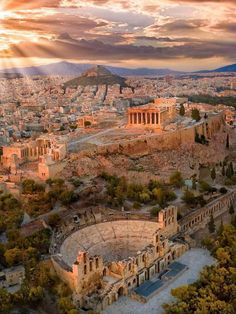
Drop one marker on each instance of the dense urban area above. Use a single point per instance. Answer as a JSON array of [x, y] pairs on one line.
[[111, 188]]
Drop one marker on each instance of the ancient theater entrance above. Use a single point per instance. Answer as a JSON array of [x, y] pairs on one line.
[[121, 291]]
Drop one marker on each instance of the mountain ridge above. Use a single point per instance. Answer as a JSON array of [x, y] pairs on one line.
[[65, 68]]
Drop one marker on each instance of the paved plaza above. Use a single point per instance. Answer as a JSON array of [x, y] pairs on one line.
[[195, 259]]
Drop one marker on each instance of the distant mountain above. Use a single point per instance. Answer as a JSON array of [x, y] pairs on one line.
[[97, 75], [60, 68], [227, 68], [75, 69], [9, 75]]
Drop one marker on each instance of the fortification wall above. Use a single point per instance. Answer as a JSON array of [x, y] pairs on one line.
[[159, 142], [199, 218]]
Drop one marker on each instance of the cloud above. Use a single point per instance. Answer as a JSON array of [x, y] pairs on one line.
[[30, 4], [119, 30], [56, 24], [182, 25], [203, 1], [97, 50], [226, 26]]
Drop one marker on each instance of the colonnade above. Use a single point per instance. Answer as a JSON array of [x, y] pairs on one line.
[[146, 118]]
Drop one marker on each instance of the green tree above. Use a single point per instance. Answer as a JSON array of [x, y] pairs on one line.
[[211, 225], [221, 228], [195, 115], [36, 294], [213, 174], [182, 110], [176, 179], [144, 197], [5, 301], [229, 171], [154, 211], [159, 195], [54, 220], [188, 197], [194, 184], [205, 187], [231, 209], [68, 197], [223, 171], [66, 305], [13, 256]]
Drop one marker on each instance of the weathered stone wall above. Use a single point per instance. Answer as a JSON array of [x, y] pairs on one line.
[[199, 218], [152, 157], [63, 271], [112, 239], [165, 141]]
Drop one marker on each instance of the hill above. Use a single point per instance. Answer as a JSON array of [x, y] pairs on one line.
[[227, 68], [97, 75]]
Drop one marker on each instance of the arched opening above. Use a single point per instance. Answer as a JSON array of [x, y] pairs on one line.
[[104, 272], [121, 291]]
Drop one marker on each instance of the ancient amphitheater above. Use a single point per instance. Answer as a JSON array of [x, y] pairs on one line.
[[102, 261], [114, 240]]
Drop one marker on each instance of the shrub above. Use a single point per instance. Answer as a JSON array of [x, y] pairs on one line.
[[176, 179], [154, 211], [136, 205], [188, 197]]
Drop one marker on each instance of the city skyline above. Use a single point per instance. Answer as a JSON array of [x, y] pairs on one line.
[[182, 35]]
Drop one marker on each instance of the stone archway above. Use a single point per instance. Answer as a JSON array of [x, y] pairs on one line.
[[120, 291]]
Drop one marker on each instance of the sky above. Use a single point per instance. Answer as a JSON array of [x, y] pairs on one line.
[[178, 34]]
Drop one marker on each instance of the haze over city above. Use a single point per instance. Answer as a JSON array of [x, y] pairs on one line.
[[179, 34]]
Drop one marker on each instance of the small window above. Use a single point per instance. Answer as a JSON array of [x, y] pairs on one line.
[[85, 269]]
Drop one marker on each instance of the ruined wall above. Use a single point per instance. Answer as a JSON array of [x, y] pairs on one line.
[[199, 218], [63, 271], [165, 141], [151, 157]]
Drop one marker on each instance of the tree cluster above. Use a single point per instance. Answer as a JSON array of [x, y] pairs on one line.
[[38, 201], [11, 213], [195, 114], [119, 190], [41, 282], [214, 292], [213, 100]]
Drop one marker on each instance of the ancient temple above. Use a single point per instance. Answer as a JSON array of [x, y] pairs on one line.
[[152, 115]]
